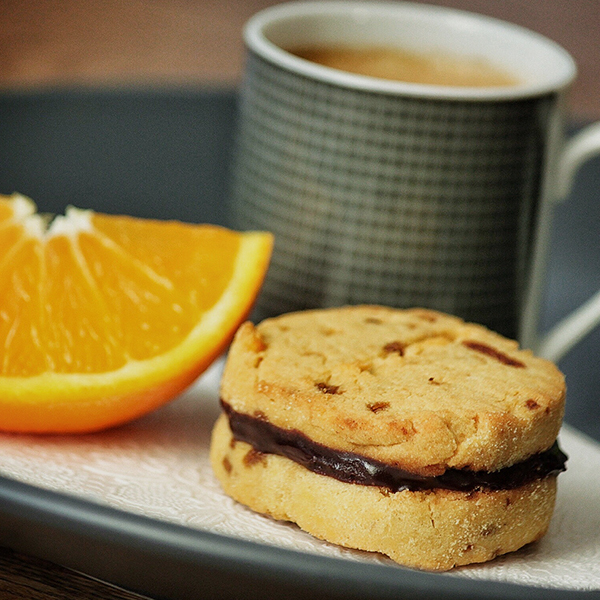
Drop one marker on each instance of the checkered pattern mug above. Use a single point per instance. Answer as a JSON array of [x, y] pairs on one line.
[[397, 193]]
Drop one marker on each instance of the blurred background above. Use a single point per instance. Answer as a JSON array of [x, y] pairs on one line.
[[198, 42], [130, 106]]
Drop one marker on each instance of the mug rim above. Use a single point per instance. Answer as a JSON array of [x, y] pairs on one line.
[[256, 40]]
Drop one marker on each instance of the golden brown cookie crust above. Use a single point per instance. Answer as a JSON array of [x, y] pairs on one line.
[[413, 388], [432, 530]]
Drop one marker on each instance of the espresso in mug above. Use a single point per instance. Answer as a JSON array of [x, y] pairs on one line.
[[401, 65]]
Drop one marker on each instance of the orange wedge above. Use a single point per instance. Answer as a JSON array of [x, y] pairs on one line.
[[104, 318]]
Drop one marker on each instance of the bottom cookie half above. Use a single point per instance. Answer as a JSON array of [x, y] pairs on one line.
[[431, 530]]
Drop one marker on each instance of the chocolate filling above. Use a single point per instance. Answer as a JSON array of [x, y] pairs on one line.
[[354, 468]]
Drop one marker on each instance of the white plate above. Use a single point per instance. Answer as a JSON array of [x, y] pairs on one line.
[[158, 467]]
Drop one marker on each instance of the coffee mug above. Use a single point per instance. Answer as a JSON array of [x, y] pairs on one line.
[[435, 193]]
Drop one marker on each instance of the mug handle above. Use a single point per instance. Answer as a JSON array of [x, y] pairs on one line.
[[572, 329]]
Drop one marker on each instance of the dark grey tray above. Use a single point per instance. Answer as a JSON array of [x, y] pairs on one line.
[[166, 153]]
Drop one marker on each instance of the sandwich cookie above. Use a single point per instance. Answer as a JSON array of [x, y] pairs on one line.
[[405, 432]]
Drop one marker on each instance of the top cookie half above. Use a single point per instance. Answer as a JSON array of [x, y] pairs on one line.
[[413, 388]]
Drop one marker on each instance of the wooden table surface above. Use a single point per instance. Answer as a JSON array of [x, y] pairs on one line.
[[174, 42], [24, 577], [97, 43]]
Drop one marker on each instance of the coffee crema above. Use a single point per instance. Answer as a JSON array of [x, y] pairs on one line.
[[401, 65]]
